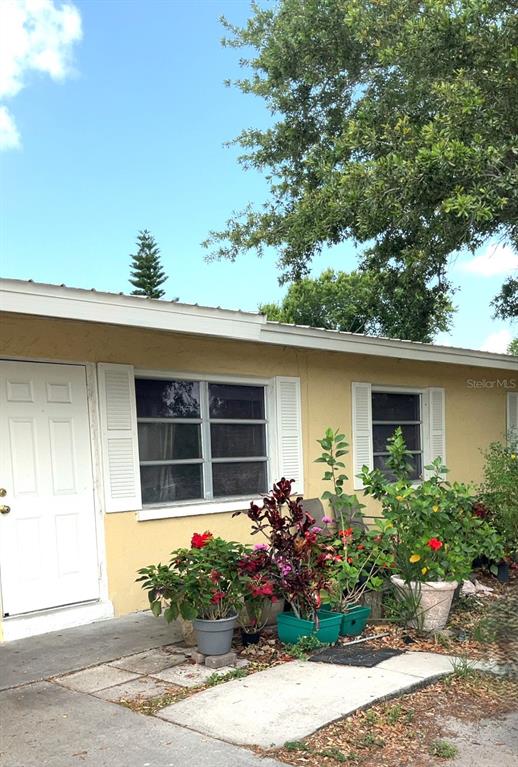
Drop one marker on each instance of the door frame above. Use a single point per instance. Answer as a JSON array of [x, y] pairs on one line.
[[55, 618]]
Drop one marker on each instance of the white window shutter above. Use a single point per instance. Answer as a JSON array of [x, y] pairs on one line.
[[362, 430], [290, 463], [119, 437], [436, 428], [512, 416]]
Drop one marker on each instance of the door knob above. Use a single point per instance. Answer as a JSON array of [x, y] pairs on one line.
[[3, 492], [5, 509]]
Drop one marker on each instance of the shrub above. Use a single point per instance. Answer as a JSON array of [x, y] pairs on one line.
[[436, 534], [499, 492]]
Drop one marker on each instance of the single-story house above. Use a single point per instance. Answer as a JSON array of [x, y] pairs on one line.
[[126, 424]]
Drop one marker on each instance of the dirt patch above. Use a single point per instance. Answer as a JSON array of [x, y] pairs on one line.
[[406, 732]]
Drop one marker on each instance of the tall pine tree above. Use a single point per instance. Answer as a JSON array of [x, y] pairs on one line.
[[147, 274]]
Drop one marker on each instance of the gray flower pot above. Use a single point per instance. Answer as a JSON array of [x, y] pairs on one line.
[[214, 637]]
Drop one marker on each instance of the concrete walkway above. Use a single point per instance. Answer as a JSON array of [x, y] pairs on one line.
[[45, 725], [62, 693], [290, 701], [40, 657]]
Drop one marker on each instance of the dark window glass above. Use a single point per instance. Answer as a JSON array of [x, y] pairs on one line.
[[381, 434], [169, 441], [240, 402], [167, 399], [387, 406], [238, 478], [164, 484], [237, 440], [415, 460]]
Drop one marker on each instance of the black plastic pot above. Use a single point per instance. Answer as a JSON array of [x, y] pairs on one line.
[[248, 639], [503, 572]]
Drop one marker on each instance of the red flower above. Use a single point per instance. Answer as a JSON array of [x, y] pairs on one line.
[[214, 576], [198, 541], [361, 547], [435, 544], [217, 597]]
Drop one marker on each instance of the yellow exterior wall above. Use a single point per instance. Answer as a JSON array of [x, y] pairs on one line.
[[474, 417]]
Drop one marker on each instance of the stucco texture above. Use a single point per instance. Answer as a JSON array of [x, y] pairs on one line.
[[474, 416]]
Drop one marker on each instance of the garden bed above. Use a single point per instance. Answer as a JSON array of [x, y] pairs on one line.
[[406, 732]]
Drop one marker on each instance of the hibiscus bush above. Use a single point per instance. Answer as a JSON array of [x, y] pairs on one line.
[[200, 582], [363, 559], [435, 532]]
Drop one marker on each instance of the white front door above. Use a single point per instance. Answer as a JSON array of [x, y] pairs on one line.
[[48, 547]]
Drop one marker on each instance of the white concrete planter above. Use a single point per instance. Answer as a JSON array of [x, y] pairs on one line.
[[433, 601]]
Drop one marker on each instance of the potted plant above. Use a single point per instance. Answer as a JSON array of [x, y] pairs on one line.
[[364, 557], [259, 593], [362, 554], [435, 533], [300, 564], [201, 584]]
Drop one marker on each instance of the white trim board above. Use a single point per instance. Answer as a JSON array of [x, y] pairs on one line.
[[17, 296]]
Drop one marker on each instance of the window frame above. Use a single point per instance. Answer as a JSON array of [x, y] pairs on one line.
[[213, 505], [423, 432]]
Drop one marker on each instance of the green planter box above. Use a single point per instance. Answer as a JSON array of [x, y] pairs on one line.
[[290, 628], [353, 621]]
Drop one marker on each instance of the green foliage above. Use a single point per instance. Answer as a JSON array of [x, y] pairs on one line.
[[236, 673], [203, 581], [394, 124], [513, 347], [436, 534], [296, 745], [305, 646], [394, 305], [499, 490], [334, 448], [443, 749], [147, 274], [506, 302]]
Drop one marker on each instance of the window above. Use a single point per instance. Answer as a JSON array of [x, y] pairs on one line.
[[200, 440], [390, 410]]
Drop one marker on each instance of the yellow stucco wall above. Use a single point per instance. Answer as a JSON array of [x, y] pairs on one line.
[[474, 417]]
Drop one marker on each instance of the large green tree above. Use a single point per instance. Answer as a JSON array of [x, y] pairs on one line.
[[387, 303], [394, 123], [147, 274]]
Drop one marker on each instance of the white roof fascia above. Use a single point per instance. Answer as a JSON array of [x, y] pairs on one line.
[[134, 311], [57, 301]]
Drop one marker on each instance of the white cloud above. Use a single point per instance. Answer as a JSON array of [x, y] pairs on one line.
[[9, 136], [35, 36], [497, 342], [497, 259]]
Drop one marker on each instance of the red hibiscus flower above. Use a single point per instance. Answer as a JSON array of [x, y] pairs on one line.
[[198, 541], [435, 544], [214, 576], [217, 597]]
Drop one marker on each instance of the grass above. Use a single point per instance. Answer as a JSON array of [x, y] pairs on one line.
[[305, 647], [236, 673], [443, 749]]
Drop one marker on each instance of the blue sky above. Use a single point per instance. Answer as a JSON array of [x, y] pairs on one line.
[[121, 127]]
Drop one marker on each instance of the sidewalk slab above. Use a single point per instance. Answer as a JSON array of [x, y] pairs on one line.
[[45, 725], [150, 661], [144, 688], [46, 655], [95, 679], [286, 702], [190, 675]]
